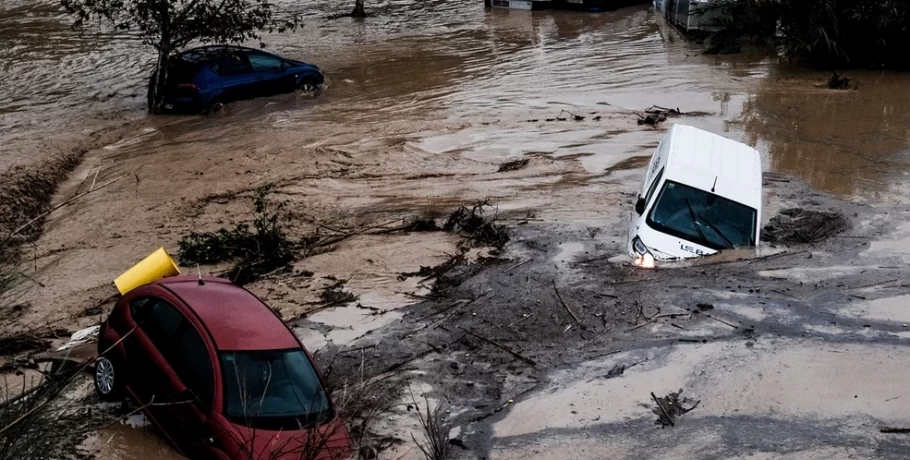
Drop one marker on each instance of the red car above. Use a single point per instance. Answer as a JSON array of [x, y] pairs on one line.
[[218, 372]]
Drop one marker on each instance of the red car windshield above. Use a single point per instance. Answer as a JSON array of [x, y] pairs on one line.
[[273, 390]]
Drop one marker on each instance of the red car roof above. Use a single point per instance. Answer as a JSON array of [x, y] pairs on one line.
[[236, 319]]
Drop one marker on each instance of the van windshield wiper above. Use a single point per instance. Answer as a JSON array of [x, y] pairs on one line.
[[704, 239], [730, 244]]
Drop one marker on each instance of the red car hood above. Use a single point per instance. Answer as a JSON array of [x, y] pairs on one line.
[[328, 442]]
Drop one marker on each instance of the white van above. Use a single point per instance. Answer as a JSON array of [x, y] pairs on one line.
[[701, 193]]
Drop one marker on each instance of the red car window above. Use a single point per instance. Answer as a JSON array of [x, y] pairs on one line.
[[191, 362], [160, 322]]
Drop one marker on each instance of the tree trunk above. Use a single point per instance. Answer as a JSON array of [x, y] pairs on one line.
[[159, 81], [358, 10]]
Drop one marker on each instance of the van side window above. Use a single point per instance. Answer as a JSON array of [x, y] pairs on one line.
[[654, 186]]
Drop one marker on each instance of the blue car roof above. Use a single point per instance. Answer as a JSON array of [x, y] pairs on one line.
[[207, 53]]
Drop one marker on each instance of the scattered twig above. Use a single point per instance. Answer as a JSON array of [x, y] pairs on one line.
[[513, 267], [864, 286], [597, 338], [520, 320], [722, 321], [640, 325], [784, 294]]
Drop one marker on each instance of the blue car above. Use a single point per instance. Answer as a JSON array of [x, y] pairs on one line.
[[202, 80]]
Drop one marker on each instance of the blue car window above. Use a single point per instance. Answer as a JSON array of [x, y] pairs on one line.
[[231, 65], [263, 62]]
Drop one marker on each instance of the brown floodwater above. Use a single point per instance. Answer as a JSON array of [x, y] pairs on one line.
[[423, 102], [490, 70]]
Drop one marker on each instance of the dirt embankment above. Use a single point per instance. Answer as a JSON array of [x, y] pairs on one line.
[[26, 192]]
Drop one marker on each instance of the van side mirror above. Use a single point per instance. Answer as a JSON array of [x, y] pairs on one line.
[[640, 206]]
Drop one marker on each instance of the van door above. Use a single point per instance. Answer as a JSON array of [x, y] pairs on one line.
[[650, 180], [649, 197]]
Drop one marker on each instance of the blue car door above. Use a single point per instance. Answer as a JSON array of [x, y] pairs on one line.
[[271, 74], [235, 77]]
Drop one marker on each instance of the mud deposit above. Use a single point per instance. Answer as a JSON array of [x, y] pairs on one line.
[[795, 352]]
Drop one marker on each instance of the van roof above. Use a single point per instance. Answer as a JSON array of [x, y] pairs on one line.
[[705, 160]]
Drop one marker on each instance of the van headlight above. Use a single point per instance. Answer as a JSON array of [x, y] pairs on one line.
[[644, 257], [639, 247]]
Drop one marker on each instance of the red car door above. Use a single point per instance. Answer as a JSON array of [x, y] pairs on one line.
[[191, 359], [153, 380]]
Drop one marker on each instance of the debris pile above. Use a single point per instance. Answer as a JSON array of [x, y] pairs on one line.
[[801, 226], [656, 115], [476, 227], [513, 165], [838, 81], [670, 408], [335, 294]]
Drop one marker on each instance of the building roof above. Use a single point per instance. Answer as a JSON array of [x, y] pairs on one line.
[[235, 318], [706, 160]]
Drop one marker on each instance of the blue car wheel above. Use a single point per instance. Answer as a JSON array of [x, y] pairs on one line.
[[308, 84]]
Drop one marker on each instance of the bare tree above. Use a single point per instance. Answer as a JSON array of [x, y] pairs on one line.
[[358, 11]]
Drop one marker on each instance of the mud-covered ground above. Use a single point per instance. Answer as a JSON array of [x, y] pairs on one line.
[[795, 352]]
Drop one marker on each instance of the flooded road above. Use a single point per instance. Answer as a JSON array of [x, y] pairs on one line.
[[424, 102]]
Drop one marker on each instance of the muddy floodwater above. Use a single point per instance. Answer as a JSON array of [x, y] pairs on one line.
[[424, 101], [423, 63]]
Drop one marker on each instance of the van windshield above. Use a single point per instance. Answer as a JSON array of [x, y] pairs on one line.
[[273, 389], [702, 217]]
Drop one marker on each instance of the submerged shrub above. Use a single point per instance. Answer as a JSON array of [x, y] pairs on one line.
[[825, 33], [254, 252]]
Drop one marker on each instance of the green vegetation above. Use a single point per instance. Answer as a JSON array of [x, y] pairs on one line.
[[254, 252], [824, 33]]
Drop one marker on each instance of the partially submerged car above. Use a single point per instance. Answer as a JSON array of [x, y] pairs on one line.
[[701, 193], [203, 79], [218, 372]]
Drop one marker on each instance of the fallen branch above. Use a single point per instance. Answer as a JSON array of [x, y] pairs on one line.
[[437, 324], [564, 303], [530, 361], [894, 430], [503, 406], [662, 409]]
